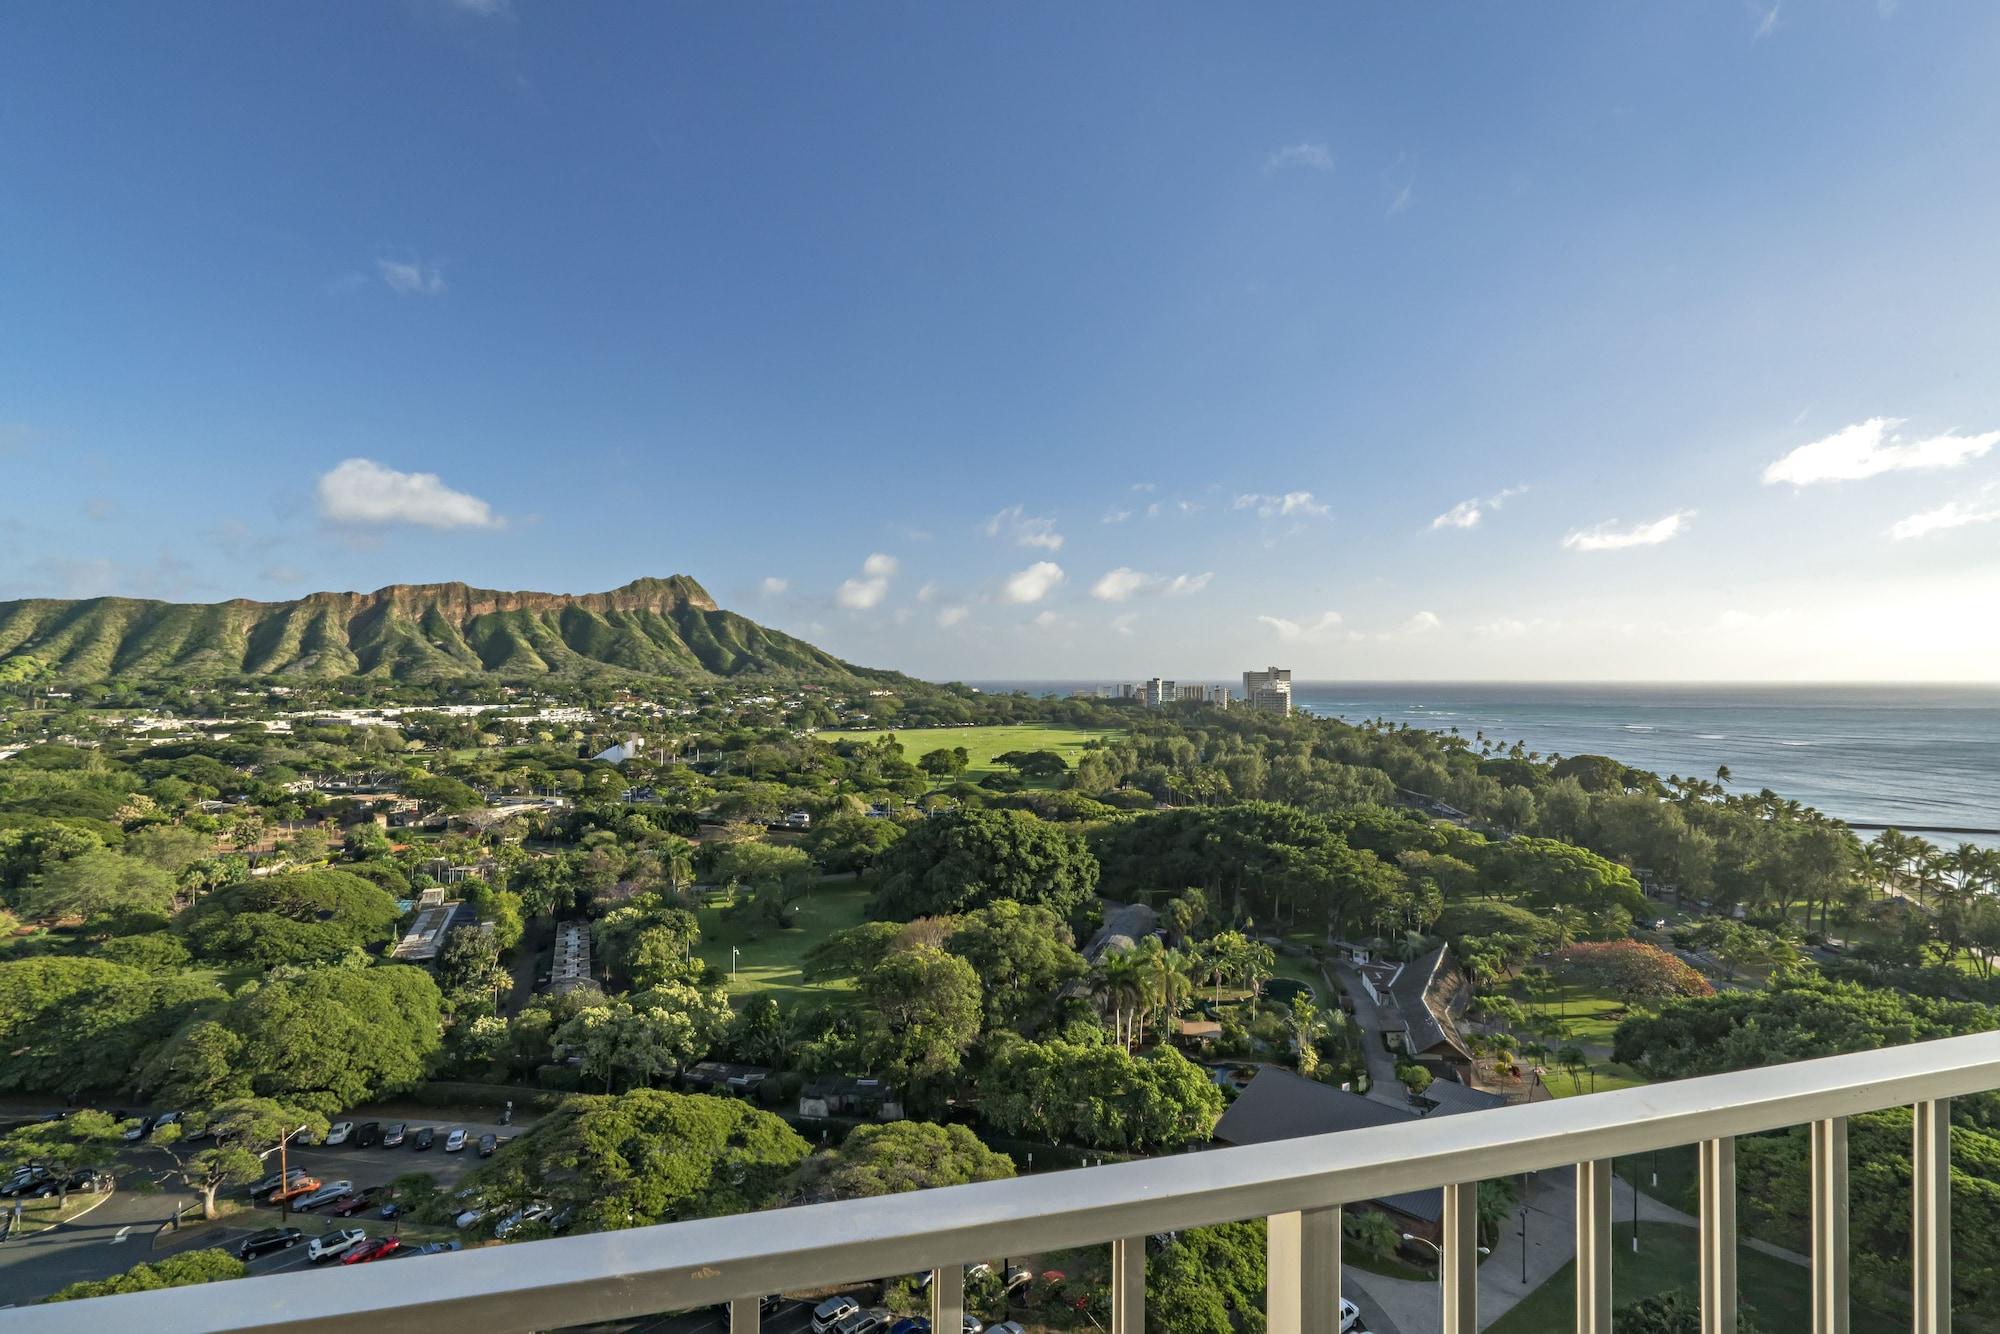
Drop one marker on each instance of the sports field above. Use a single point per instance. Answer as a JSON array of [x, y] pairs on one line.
[[983, 744], [768, 959]]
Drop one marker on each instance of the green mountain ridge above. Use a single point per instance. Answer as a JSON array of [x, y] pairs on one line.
[[405, 632]]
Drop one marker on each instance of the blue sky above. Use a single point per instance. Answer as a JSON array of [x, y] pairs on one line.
[[1624, 341]]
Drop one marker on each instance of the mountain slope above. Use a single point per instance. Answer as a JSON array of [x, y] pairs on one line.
[[660, 627]]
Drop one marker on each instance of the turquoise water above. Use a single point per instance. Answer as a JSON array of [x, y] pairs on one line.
[[1923, 758]]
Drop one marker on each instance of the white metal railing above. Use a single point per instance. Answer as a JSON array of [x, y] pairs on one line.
[[1299, 1185]]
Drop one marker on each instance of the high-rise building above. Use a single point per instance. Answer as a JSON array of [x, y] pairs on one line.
[[1159, 692], [1269, 691], [1219, 696], [1192, 694], [1128, 691]]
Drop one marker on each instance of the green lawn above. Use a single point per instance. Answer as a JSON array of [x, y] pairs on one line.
[[982, 744], [1668, 1258], [1599, 1077], [768, 959]]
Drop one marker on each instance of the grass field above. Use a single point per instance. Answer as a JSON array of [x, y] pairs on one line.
[[768, 960], [1668, 1258], [982, 744]]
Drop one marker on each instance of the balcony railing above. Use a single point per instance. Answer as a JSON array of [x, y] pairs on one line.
[[1299, 1185]]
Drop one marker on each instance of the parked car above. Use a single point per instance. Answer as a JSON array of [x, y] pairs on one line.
[[26, 1180], [379, 1249], [139, 1129], [326, 1194], [439, 1247], [454, 1141], [912, 1324], [534, 1213], [294, 1189], [338, 1242], [273, 1181], [1017, 1277], [1350, 1317], [423, 1139], [1006, 1327], [89, 1180], [488, 1143], [339, 1132], [831, 1312], [468, 1217], [864, 1322], [368, 1134], [355, 1201], [394, 1136], [268, 1240]]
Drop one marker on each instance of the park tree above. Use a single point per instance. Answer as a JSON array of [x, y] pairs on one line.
[[1098, 1095], [969, 858], [1203, 1278], [84, 1139], [1547, 874], [900, 1156], [646, 1156], [848, 841], [68, 1025], [652, 1033], [668, 933], [1023, 954], [440, 795], [101, 887], [186, 1269], [298, 917], [927, 1008], [468, 967], [943, 762], [225, 1145]]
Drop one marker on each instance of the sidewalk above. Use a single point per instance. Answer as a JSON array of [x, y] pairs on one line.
[[1381, 1062]]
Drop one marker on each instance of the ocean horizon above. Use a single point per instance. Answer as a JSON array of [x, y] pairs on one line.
[[1924, 758]]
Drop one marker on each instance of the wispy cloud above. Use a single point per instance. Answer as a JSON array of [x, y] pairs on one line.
[[1303, 632], [1116, 515], [866, 591], [1985, 508], [1032, 584], [1024, 529], [411, 279], [1467, 513], [1292, 503], [362, 491], [1125, 583], [1873, 447], [1401, 202], [486, 9], [1610, 537], [1310, 157], [773, 585], [1767, 20], [950, 616], [1123, 622]]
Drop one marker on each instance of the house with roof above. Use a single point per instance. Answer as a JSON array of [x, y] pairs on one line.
[[1430, 995], [1279, 1105]]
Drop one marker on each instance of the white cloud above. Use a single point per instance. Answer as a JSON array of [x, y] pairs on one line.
[[1145, 486], [928, 592], [1048, 620], [1032, 584], [1024, 529], [1767, 20], [1873, 447], [1313, 157], [410, 279], [1124, 583], [1951, 514], [1422, 623], [485, 9], [1295, 632], [1119, 585], [1124, 621], [364, 491], [1401, 202], [1467, 513], [1277, 507], [867, 591], [773, 585], [951, 616], [1610, 537], [1116, 515]]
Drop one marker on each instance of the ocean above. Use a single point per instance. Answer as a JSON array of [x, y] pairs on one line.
[[1925, 759]]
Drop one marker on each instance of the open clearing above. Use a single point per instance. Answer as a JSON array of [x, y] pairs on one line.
[[769, 960], [983, 744]]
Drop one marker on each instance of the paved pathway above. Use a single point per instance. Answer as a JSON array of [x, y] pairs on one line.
[[1373, 1021]]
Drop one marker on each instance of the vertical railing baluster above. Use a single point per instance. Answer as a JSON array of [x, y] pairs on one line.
[[1930, 1230], [1302, 1272], [947, 1299], [1829, 1226], [745, 1314], [1128, 1286], [1718, 1236], [1593, 1247], [1458, 1259]]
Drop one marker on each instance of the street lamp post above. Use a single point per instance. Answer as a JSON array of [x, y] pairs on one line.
[[1438, 1250], [732, 963]]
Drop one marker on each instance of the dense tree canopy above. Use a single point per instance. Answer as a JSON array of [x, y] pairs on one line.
[[967, 859], [646, 1157], [71, 1025], [1023, 955], [299, 917], [900, 1156], [1099, 1095]]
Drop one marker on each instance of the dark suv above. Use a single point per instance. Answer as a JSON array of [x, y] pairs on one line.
[[270, 1239], [423, 1139], [367, 1134]]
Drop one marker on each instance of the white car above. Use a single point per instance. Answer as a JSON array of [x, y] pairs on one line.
[[1350, 1315], [468, 1219], [326, 1194], [831, 1312], [534, 1213], [338, 1132], [330, 1244], [454, 1141]]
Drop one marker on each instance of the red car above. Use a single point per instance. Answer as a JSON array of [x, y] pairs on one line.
[[349, 1205], [379, 1249]]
